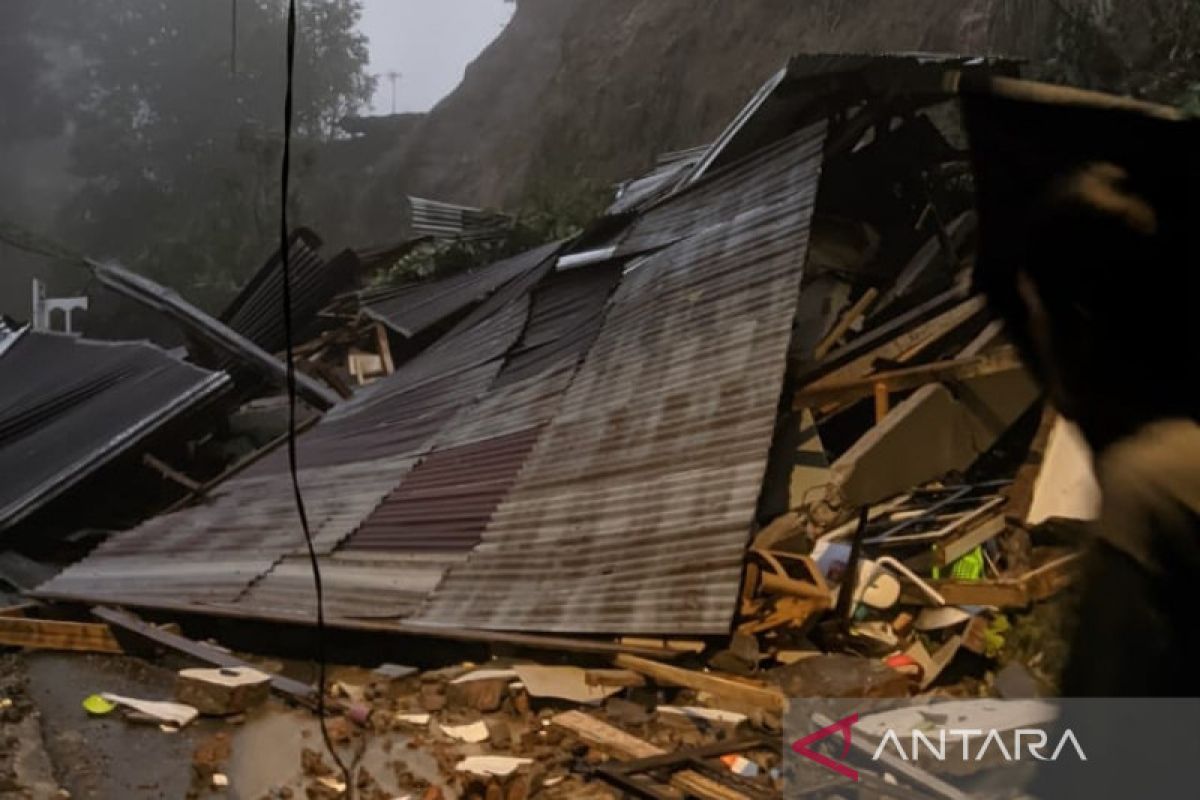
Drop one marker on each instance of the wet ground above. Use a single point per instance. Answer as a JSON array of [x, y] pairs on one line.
[[57, 744]]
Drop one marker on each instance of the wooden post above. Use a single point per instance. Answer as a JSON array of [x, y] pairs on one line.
[[882, 401], [385, 349]]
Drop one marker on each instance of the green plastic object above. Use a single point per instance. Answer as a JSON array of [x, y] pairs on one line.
[[971, 567], [97, 706]]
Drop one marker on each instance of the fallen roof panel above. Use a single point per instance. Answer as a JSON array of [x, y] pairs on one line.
[[633, 511], [68, 406], [212, 331], [257, 311], [411, 309]]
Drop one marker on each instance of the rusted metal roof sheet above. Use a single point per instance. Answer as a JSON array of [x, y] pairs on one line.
[[725, 195], [409, 310], [634, 508], [257, 311], [211, 553], [445, 502], [68, 406], [227, 551]]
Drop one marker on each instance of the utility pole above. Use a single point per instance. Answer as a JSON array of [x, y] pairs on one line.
[[392, 76]]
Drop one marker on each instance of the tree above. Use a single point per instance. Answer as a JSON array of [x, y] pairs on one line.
[[178, 145]]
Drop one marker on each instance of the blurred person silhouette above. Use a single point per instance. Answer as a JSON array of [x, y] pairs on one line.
[[1089, 224]]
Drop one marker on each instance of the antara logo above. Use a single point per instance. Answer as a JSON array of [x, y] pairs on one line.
[[1031, 740]]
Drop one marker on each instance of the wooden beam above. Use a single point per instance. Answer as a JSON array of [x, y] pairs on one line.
[[1004, 359], [385, 348], [749, 694], [45, 634], [883, 401], [852, 315], [241, 465], [170, 473]]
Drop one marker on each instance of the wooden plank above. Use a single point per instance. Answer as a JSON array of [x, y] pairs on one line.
[[746, 694], [852, 315], [301, 692], [878, 336], [1003, 359], [883, 401], [45, 634], [385, 349], [617, 742], [18, 610]]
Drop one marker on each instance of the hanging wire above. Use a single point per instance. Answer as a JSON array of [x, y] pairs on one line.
[[291, 393]]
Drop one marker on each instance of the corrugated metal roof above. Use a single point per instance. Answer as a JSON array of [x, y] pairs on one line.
[[670, 168], [812, 86], [213, 552], [257, 311], [212, 331], [448, 221], [411, 309], [68, 406], [725, 195], [227, 550], [634, 508]]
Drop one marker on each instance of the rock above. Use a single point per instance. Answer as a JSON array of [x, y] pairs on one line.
[[432, 697], [313, 763], [482, 695], [624, 713], [745, 647], [221, 692]]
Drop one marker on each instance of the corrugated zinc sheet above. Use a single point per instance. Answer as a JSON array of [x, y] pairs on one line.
[[68, 406], [448, 221], [409, 310], [668, 171], [257, 311], [634, 508], [242, 545], [725, 195], [211, 553]]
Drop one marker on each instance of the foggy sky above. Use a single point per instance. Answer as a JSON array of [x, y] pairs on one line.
[[430, 42]]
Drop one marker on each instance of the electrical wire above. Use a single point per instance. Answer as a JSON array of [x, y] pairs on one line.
[[291, 393]]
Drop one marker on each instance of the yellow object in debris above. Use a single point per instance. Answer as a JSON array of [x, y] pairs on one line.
[[97, 705]]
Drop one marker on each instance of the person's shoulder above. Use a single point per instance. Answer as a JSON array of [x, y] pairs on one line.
[[1150, 484]]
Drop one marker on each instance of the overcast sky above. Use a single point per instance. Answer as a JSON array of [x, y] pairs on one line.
[[430, 42]]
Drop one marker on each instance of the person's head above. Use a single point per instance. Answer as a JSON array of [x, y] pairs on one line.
[[1087, 254]]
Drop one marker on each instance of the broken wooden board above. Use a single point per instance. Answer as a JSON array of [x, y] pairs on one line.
[[46, 634], [1032, 587], [741, 692], [617, 742], [622, 678], [1004, 359], [301, 692]]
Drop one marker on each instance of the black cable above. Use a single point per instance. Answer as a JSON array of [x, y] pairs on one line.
[[291, 392]]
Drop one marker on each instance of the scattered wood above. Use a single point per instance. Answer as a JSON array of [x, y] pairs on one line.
[[1019, 592], [385, 349], [617, 742], [744, 693], [1003, 359], [18, 610], [46, 634], [852, 315]]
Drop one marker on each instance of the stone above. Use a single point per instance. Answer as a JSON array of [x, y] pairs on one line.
[[482, 695], [222, 692]]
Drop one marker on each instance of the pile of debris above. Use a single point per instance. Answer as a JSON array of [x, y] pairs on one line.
[[755, 413]]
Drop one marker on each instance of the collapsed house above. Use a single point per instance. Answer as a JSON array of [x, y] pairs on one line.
[[765, 333], [73, 406]]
